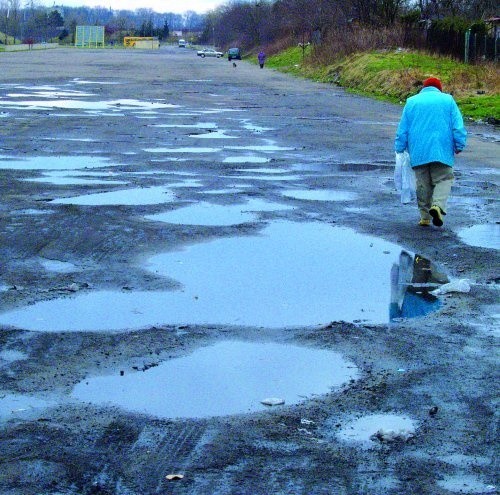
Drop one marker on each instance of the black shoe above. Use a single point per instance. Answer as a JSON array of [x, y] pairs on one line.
[[437, 215]]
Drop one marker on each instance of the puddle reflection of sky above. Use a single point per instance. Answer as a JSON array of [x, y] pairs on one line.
[[484, 235], [135, 196], [291, 274], [212, 214], [53, 162], [226, 378], [123, 104]]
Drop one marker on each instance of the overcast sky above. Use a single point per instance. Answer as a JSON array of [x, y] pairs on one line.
[[176, 6]]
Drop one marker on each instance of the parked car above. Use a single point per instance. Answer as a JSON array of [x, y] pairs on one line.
[[234, 53], [182, 43], [209, 52]]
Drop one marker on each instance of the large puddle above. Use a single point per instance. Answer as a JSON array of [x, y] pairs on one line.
[[212, 214], [486, 235], [223, 379], [128, 197], [291, 274]]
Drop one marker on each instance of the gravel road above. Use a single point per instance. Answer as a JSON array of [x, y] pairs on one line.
[[182, 239]]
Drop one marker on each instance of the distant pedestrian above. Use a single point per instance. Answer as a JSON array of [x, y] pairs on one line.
[[431, 129], [262, 59]]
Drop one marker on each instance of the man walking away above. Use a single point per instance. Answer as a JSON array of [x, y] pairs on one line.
[[432, 130]]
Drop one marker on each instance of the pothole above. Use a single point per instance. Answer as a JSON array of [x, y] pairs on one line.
[[291, 274], [246, 159], [21, 406], [185, 149], [320, 195], [123, 104], [464, 483], [211, 214], [53, 162], [227, 378], [136, 196], [263, 147], [58, 266], [72, 181], [486, 235], [366, 431], [216, 134]]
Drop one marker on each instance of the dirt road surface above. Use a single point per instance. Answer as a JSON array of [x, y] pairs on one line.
[[182, 239]]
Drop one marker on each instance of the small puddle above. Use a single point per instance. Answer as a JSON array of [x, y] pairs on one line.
[[182, 150], [58, 266], [223, 379], [128, 197], [31, 211], [198, 125], [235, 190], [83, 82], [218, 134], [72, 181], [277, 177], [246, 159], [320, 195], [265, 147], [217, 110], [464, 483], [211, 214], [486, 235], [186, 183], [290, 274], [123, 104], [53, 162], [11, 355], [262, 170], [247, 125], [24, 406], [78, 140], [362, 429], [48, 93]]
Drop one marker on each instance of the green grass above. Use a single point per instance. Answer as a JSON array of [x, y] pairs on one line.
[[290, 60], [481, 107], [396, 75]]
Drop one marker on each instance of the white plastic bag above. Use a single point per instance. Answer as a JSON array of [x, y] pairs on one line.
[[461, 285], [404, 178]]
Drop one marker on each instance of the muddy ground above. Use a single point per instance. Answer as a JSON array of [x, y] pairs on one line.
[[437, 370]]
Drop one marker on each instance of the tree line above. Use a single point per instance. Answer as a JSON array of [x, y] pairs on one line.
[[333, 27], [336, 27], [34, 23]]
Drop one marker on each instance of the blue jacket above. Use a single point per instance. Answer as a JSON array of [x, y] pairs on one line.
[[431, 128]]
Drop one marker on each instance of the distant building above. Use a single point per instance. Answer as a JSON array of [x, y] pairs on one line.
[[144, 42], [89, 36]]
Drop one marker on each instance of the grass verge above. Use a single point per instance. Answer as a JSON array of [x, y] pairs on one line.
[[395, 75]]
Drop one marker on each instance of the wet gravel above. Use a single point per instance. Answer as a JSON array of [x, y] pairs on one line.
[[110, 113]]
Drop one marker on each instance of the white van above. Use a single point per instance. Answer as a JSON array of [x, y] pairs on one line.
[[182, 43]]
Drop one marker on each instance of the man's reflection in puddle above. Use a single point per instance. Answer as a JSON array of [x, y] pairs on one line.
[[412, 280]]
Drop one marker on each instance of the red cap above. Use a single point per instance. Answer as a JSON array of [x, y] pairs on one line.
[[433, 81]]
